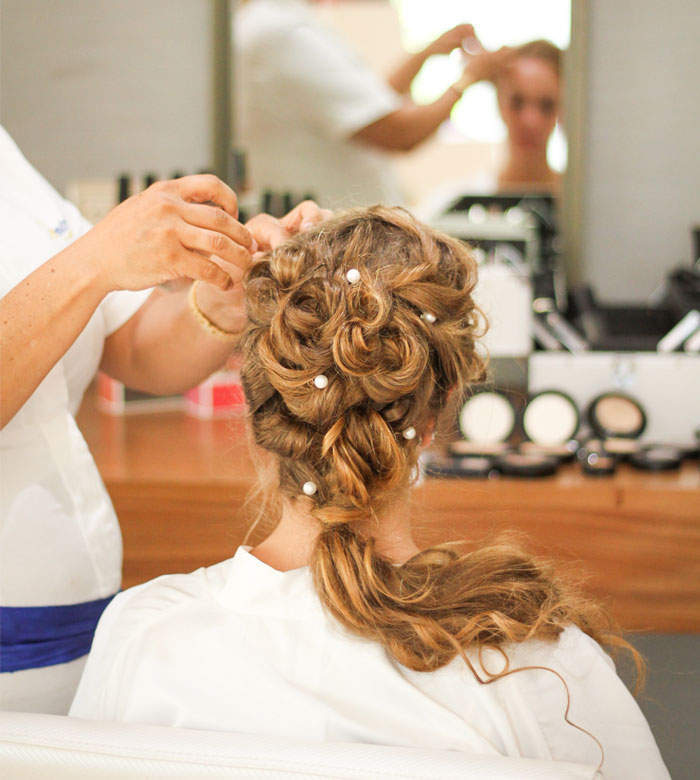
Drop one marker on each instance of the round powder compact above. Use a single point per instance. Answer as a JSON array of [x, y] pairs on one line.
[[591, 445], [621, 447], [550, 417], [657, 457], [564, 452], [598, 465], [478, 448], [475, 466], [616, 415], [471, 466], [487, 417], [515, 464]]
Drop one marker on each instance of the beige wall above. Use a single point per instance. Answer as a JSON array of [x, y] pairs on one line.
[[641, 143], [92, 88]]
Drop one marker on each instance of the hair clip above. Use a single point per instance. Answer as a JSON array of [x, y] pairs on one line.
[[321, 381], [428, 317], [409, 433], [309, 488], [353, 275]]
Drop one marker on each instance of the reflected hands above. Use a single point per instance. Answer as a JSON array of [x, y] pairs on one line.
[[452, 39], [485, 65]]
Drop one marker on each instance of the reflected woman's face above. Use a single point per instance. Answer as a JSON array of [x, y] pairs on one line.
[[528, 99]]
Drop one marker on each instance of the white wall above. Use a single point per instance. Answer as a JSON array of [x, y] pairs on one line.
[[97, 87], [642, 143]]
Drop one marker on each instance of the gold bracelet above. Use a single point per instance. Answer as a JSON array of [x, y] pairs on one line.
[[204, 321]]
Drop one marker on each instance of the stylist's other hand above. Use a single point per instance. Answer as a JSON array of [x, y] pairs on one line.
[[181, 229], [304, 216], [226, 308], [269, 232]]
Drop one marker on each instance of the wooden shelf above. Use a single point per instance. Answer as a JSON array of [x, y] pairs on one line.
[[179, 485]]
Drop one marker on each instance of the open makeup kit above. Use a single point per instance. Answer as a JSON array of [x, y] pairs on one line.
[[511, 436]]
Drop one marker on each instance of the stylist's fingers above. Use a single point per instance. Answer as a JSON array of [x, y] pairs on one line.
[[216, 219], [209, 242], [304, 216], [234, 272], [267, 231], [199, 268], [206, 188]]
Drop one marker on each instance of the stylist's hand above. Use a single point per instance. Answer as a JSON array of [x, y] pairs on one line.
[[269, 232], [485, 65], [181, 229], [452, 39], [226, 309]]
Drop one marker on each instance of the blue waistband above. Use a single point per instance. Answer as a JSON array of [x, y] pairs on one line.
[[31, 637]]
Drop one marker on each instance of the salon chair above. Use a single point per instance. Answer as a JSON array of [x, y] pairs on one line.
[[59, 747]]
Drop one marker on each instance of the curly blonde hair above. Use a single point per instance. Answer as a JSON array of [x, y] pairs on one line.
[[390, 366]]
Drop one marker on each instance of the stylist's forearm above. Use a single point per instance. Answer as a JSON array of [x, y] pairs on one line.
[[164, 348], [412, 124], [401, 78], [427, 118], [39, 320]]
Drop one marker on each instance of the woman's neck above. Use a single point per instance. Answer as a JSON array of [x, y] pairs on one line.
[[523, 170], [290, 545]]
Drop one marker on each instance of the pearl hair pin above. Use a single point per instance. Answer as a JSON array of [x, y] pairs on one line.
[[309, 488], [428, 317], [321, 381], [409, 433], [353, 275]]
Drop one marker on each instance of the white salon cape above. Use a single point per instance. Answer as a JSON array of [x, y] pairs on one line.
[[60, 542], [302, 93], [242, 647]]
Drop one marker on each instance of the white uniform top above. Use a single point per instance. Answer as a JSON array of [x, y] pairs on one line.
[[243, 647], [59, 537], [303, 93]]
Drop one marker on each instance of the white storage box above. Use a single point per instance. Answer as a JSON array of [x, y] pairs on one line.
[[667, 386], [505, 297]]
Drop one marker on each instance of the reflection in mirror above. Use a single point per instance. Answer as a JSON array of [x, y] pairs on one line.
[[356, 102]]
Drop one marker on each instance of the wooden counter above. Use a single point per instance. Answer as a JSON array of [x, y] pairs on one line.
[[179, 484]]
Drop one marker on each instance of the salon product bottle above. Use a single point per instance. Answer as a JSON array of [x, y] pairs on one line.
[[239, 171], [124, 187]]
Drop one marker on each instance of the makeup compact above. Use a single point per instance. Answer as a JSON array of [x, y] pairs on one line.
[[621, 448], [468, 466], [550, 421], [598, 463], [657, 457], [473, 448], [518, 464], [596, 460], [563, 452], [487, 417], [616, 415]]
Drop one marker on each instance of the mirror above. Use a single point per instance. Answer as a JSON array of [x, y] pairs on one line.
[[502, 134]]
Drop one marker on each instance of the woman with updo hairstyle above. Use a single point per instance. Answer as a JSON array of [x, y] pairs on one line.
[[337, 627], [528, 81]]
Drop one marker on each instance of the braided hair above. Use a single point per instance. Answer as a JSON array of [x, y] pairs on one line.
[[392, 345]]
